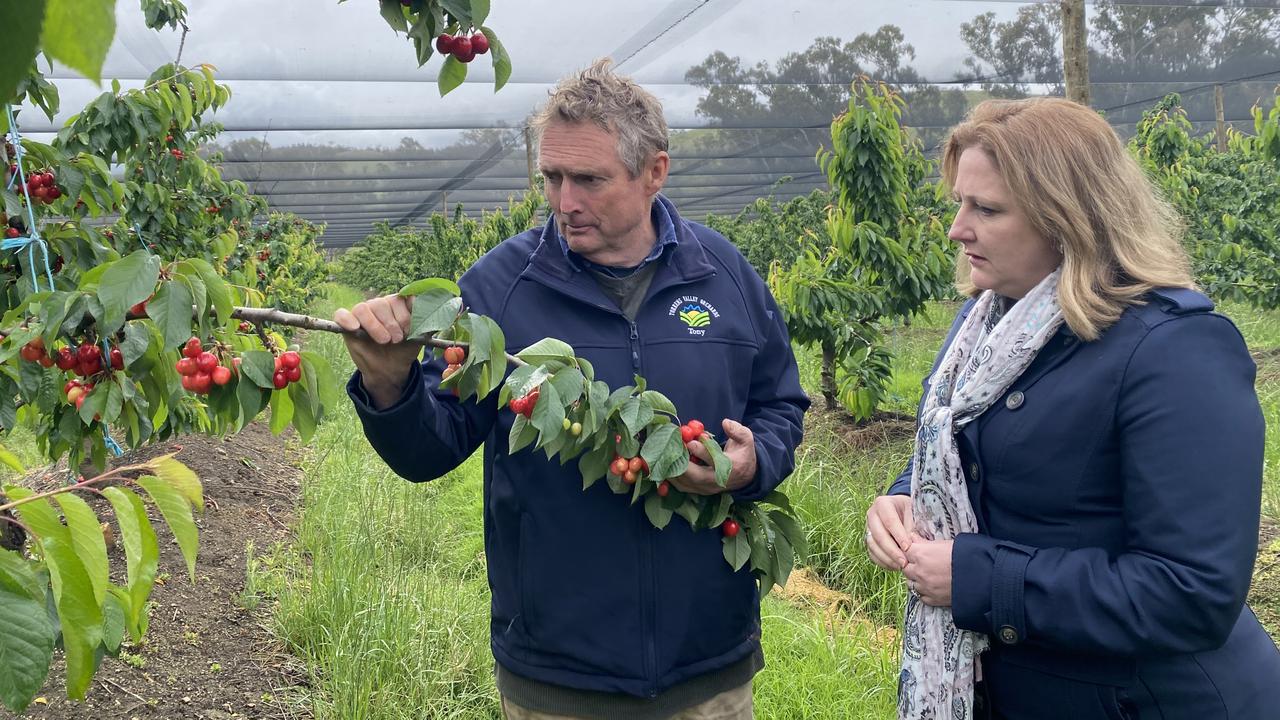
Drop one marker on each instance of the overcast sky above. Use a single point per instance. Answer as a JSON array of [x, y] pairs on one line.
[[300, 69]]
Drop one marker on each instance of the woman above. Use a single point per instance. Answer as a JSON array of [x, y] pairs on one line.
[[1079, 521]]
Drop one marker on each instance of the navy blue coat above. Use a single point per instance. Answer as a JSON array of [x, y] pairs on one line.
[[1117, 488], [585, 592]]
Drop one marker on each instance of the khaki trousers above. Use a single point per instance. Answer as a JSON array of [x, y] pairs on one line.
[[735, 704]]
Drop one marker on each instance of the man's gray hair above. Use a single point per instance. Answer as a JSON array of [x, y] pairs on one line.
[[615, 103]]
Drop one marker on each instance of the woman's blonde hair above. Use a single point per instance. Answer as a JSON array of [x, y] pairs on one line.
[[1082, 190]]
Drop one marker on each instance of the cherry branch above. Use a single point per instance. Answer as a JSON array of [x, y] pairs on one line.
[[306, 322]]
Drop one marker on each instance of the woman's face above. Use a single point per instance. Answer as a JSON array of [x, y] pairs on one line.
[[1005, 252]]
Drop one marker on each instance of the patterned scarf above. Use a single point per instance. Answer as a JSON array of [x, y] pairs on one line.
[[993, 347]]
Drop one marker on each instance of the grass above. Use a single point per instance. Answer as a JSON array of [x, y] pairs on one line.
[[384, 594]]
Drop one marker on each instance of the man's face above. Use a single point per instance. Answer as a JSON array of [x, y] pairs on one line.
[[600, 210]]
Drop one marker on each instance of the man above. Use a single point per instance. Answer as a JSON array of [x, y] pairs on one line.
[[595, 613]]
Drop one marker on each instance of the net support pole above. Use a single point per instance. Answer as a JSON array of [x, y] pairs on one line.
[[1075, 51], [1220, 119]]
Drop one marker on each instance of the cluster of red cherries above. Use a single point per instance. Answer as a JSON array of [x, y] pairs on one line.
[[464, 48]]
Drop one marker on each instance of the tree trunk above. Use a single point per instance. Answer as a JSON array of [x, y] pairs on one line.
[[829, 374], [1075, 51]]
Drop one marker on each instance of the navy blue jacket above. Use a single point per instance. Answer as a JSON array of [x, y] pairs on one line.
[[586, 593], [1117, 488]]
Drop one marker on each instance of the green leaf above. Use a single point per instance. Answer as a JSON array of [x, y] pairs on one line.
[[479, 11], [522, 381], [452, 73], [12, 461], [38, 515], [548, 414], [779, 499], [789, 528], [78, 614], [216, 287], [170, 310], [522, 433], [26, 647], [664, 453], [569, 383], [77, 33], [16, 576], [258, 366], [114, 619], [433, 311], [304, 419], [501, 59], [545, 350], [22, 23], [181, 478], [141, 551], [176, 511], [87, 539], [326, 381], [393, 12], [281, 411], [417, 287], [736, 550], [129, 281], [137, 339], [723, 464], [659, 402], [635, 414], [594, 465], [658, 513]]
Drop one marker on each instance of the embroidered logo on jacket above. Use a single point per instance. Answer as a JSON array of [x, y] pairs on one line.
[[694, 312]]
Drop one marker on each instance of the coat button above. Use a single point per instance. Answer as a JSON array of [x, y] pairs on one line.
[[1008, 635], [973, 471], [1015, 400]]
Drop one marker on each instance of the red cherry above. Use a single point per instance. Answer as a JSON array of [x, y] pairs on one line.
[[206, 361], [480, 43], [629, 477], [664, 488], [279, 380], [729, 527], [293, 374], [88, 353], [66, 359], [635, 464], [193, 348], [619, 466], [686, 434], [462, 46], [117, 359], [186, 366], [11, 232], [464, 56], [45, 361], [187, 383], [444, 44], [201, 382], [221, 375], [698, 428], [454, 355], [290, 359]]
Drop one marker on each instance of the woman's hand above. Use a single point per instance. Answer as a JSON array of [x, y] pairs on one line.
[[889, 531], [928, 570]]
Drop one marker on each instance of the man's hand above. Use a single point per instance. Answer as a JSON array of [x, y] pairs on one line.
[[928, 570], [384, 360], [889, 531], [741, 451]]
